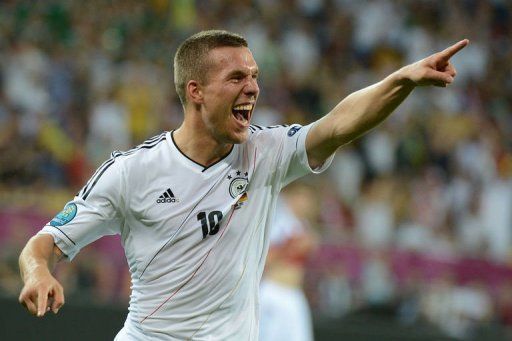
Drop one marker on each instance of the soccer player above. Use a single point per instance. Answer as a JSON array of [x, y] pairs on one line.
[[193, 206]]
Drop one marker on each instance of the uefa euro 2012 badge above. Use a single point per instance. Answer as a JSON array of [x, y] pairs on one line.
[[64, 216]]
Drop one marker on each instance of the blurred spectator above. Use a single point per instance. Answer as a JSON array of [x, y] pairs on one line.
[[497, 217], [108, 128], [378, 287], [284, 310], [336, 293], [375, 230]]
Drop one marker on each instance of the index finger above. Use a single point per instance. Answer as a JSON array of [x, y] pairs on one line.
[[42, 302], [450, 51]]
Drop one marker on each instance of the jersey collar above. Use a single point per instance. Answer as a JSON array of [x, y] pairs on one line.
[[195, 165]]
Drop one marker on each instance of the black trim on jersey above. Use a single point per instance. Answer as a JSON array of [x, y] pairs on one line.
[[93, 177], [253, 127], [71, 240], [154, 138], [197, 163], [148, 144], [86, 194], [278, 126]]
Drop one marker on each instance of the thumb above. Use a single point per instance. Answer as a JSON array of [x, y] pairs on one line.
[[437, 76]]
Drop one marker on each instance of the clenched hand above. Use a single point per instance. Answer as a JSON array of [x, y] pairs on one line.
[[41, 293]]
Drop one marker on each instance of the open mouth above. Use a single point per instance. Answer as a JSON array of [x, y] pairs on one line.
[[242, 112]]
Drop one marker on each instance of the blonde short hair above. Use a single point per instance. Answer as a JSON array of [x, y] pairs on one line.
[[191, 62]]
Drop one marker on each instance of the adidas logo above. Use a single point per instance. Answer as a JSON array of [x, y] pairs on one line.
[[167, 197]]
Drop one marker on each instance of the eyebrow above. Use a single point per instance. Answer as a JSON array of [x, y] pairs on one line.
[[241, 73]]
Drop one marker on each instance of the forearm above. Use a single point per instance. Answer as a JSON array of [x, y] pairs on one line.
[[41, 291], [366, 108], [356, 114], [39, 255]]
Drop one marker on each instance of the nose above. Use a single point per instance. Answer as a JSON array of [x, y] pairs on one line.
[[251, 87]]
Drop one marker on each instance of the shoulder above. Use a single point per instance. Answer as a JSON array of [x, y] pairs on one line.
[[256, 131], [137, 158], [115, 171], [271, 134], [146, 150]]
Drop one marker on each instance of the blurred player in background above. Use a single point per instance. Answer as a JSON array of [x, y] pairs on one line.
[[194, 206], [284, 310]]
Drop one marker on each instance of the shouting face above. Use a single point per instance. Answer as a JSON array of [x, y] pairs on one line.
[[228, 94]]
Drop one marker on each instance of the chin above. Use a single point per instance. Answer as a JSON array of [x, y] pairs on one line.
[[239, 137]]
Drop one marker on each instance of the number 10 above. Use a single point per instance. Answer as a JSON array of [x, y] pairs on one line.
[[212, 224]]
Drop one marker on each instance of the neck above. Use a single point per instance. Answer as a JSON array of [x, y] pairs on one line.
[[200, 147]]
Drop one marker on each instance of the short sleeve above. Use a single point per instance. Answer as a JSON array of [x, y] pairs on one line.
[[95, 211], [288, 158]]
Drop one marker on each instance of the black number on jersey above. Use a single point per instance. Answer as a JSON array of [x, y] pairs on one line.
[[211, 225]]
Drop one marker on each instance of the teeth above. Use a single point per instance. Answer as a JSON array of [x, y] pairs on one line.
[[242, 112], [243, 107]]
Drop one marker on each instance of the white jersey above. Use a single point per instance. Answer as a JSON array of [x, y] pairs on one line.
[[195, 237]]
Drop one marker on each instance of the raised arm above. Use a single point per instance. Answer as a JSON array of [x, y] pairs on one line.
[[366, 108], [41, 291]]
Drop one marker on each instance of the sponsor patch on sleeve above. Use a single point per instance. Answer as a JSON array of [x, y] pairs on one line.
[[64, 216], [293, 130]]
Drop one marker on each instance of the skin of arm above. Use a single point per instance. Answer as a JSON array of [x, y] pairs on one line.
[[364, 109], [41, 291]]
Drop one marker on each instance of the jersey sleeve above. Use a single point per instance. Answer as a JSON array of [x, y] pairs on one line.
[[95, 211], [288, 158]]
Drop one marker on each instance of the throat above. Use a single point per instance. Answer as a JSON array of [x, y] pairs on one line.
[[202, 151], [216, 155]]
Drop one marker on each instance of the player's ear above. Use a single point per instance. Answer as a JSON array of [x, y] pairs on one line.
[[194, 92]]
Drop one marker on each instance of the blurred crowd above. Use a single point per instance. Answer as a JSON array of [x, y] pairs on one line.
[[79, 79]]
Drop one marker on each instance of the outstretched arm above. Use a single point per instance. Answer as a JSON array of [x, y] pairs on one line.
[[366, 108], [41, 291]]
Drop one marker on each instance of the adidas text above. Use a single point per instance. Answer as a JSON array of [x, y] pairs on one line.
[[168, 200]]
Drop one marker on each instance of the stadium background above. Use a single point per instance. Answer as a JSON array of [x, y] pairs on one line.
[[415, 219]]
